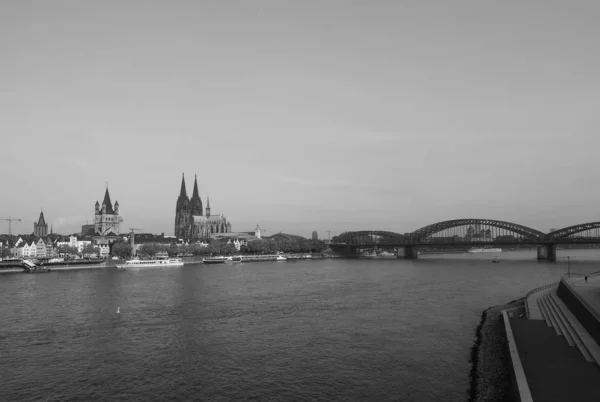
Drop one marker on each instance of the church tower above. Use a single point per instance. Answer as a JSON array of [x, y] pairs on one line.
[[40, 229], [183, 214], [107, 221], [207, 207], [196, 202]]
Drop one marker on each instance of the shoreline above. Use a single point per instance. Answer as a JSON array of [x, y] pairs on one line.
[[58, 268], [490, 376]]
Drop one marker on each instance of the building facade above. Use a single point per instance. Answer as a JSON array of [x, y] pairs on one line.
[[40, 229], [190, 219], [107, 220]]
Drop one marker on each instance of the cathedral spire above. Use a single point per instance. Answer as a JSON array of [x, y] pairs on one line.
[[195, 193], [196, 202], [207, 206], [183, 193]]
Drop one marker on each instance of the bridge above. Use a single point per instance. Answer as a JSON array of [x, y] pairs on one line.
[[465, 233]]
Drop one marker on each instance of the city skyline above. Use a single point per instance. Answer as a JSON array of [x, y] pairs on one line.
[[303, 116]]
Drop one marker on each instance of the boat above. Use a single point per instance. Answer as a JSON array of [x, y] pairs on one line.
[[32, 268], [157, 262], [281, 258], [7, 263], [222, 260], [59, 262], [486, 249]]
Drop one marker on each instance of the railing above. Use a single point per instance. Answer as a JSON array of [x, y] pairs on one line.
[[538, 289]]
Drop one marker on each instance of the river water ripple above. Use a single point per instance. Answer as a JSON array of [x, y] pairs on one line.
[[323, 330]]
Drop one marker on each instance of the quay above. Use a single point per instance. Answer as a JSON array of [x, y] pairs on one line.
[[553, 341]]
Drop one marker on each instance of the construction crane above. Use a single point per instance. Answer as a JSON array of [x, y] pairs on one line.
[[10, 221]]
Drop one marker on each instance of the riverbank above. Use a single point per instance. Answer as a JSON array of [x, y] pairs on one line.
[[490, 378]]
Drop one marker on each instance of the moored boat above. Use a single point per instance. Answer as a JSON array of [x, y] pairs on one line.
[[486, 249], [157, 262], [222, 260]]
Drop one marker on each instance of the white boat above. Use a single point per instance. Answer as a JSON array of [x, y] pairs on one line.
[[157, 262], [222, 260], [281, 258], [484, 250]]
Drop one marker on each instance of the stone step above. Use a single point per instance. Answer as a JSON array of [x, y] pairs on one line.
[[588, 343], [551, 316], [544, 313], [559, 320]]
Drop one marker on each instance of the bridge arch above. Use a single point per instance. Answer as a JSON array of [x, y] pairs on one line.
[[427, 231], [354, 237], [571, 230]]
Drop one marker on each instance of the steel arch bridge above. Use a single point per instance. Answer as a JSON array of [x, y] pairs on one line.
[[564, 233], [367, 236], [427, 231]]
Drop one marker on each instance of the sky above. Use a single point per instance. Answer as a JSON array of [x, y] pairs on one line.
[[301, 115]]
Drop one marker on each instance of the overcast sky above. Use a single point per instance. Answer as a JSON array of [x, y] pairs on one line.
[[301, 115]]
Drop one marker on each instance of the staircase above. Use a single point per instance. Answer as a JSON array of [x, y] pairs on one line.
[[556, 314]]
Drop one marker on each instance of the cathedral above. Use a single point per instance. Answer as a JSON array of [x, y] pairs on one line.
[[107, 220], [190, 219]]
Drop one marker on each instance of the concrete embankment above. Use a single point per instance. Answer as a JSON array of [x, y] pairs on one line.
[[490, 378]]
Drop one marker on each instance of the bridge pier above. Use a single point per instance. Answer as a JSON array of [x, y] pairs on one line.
[[407, 252], [547, 252]]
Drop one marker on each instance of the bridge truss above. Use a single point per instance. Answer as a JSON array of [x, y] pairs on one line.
[[474, 230], [581, 232]]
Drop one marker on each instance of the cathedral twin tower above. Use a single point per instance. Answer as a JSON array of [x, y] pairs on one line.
[[191, 222]]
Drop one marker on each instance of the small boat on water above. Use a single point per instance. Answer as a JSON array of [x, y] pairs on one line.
[[157, 262], [32, 268], [222, 260], [281, 258], [486, 249]]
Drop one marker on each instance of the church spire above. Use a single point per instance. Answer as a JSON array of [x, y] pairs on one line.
[[196, 202], [183, 193], [207, 206], [195, 193], [109, 208]]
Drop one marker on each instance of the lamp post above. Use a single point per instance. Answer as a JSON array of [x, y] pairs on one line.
[[569, 266]]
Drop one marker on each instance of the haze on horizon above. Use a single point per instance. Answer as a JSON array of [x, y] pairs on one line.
[[301, 115]]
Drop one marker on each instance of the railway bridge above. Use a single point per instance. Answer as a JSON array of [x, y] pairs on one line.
[[465, 233]]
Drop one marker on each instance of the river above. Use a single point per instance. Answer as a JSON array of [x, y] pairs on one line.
[[322, 330]]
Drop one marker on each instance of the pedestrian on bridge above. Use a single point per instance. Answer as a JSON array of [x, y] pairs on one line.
[[586, 279]]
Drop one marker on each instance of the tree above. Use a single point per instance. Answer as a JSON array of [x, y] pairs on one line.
[[5, 252], [121, 250], [173, 250], [228, 249], [88, 249], [67, 250], [148, 249]]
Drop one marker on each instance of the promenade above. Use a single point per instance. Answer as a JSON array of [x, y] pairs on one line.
[[560, 359]]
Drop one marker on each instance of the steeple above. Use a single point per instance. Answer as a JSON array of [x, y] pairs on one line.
[[195, 194], [41, 221], [207, 207], [183, 193], [109, 208], [196, 202]]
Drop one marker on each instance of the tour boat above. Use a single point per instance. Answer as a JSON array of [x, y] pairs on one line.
[[281, 258], [158, 262], [484, 250], [222, 260]]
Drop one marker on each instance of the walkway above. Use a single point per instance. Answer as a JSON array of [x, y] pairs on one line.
[[590, 291], [555, 371]]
